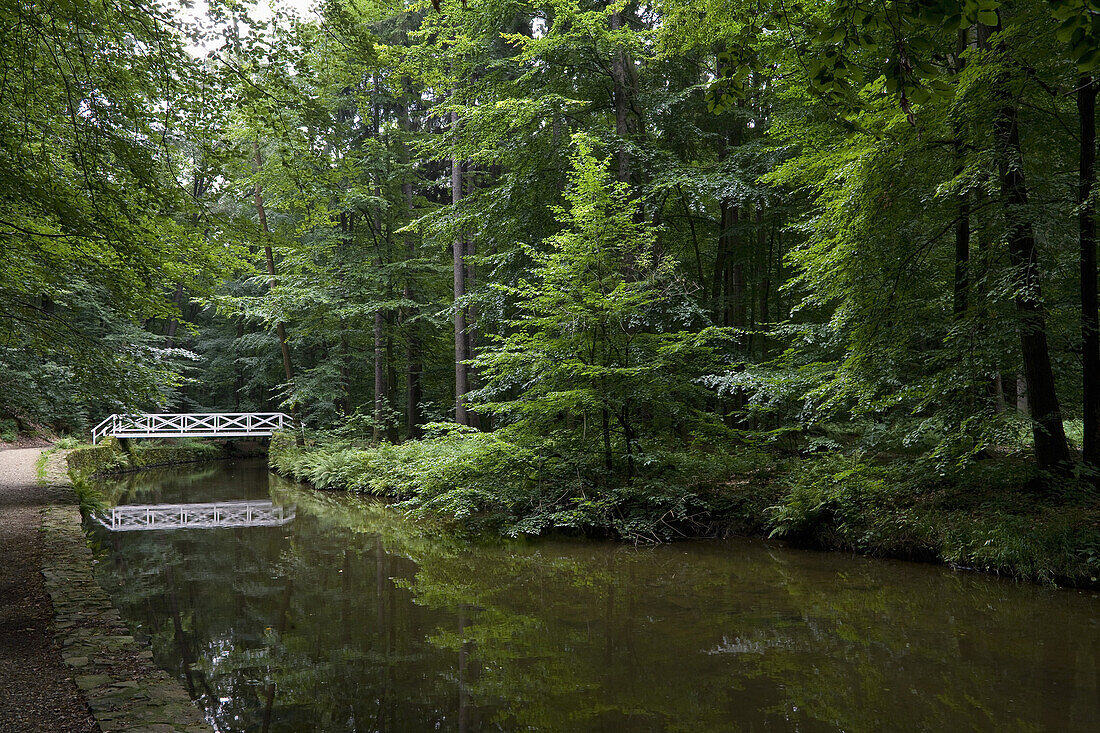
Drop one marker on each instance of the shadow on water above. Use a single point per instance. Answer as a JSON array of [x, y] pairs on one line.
[[350, 618]]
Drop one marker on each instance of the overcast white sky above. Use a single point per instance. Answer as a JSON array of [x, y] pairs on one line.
[[261, 10]]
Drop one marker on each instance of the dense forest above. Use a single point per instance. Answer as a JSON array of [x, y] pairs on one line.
[[579, 264]]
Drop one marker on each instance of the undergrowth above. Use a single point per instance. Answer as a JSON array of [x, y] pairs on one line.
[[999, 515], [496, 482]]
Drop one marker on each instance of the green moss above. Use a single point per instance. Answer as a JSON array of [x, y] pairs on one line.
[[147, 454], [89, 460], [109, 456]]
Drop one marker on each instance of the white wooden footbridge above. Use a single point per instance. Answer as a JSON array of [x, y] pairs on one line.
[[216, 515], [193, 425]]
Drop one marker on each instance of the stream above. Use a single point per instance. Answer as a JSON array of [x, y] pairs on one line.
[[285, 609]]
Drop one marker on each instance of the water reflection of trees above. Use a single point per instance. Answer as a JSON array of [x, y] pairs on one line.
[[573, 635], [352, 619], [216, 480], [298, 625]]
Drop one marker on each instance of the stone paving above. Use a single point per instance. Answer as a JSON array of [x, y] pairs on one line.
[[125, 690]]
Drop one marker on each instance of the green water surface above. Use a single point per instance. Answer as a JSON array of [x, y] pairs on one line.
[[350, 618]]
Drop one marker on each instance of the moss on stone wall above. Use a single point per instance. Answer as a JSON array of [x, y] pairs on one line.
[[88, 460], [111, 456]]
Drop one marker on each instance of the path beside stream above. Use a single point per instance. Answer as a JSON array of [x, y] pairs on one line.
[[38, 692]]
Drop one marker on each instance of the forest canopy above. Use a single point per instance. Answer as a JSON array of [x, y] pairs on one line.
[[612, 231]]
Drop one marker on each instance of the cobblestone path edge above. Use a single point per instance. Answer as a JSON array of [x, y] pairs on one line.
[[125, 690]]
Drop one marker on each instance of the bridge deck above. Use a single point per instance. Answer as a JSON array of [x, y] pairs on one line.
[[192, 425]]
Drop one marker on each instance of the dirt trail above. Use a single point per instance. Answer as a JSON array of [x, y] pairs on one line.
[[37, 692]]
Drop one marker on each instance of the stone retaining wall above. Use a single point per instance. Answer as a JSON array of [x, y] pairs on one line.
[[124, 689]]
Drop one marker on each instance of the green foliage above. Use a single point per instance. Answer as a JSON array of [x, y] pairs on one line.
[[501, 483], [89, 460], [838, 492], [990, 515], [681, 230], [603, 329], [93, 227], [109, 456]]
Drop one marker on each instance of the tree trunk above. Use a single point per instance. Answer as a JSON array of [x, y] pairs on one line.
[[413, 367], [413, 364], [391, 378], [1051, 449], [605, 416], [379, 375], [1090, 329], [962, 226], [472, 417], [619, 79], [462, 385], [764, 243], [238, 373], [280, 328], [173, 324]]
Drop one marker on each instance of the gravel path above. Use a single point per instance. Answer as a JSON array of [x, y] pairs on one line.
[[37, 692]]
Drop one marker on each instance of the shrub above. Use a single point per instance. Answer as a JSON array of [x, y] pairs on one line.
[[500, 483], [831, 500]]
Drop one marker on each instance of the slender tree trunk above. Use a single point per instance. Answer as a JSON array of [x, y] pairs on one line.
[[737, 296], [173, 324], [198, 189], [391, 378], [962, 226], [720, 265], [1022, 405], [1051, 449], [1090, 328], [764, 243], [962, 258], [379, 375], [462, 385], [606, 426], [345, 369], [238, 373], [729, 282], [619, 79], [413, 366], [472, 417], [998, 394], [280, 328]]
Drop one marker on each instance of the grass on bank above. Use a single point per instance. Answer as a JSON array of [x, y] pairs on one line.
[[999, 514]]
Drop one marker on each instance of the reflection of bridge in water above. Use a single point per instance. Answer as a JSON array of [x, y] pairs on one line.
[[196, 516]]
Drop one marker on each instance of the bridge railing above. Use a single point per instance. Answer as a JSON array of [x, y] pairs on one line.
[[198, 425], [196, 516]]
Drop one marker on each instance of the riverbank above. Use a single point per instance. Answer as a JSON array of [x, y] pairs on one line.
[[998, 515], [70, 662], [112, 456], [124, 689], [38, 693]]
